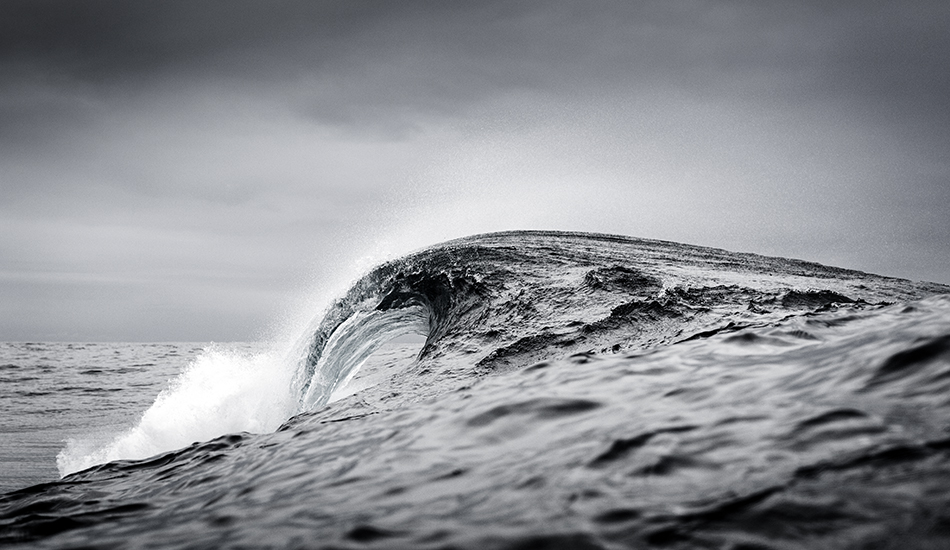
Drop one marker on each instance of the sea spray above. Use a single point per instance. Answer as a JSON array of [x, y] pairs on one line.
[[226, 391], [222, 391]]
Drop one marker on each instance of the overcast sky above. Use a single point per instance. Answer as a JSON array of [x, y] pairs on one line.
[[184, 170]]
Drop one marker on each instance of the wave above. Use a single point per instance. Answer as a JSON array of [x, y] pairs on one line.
[[572, 390], [493, 302], [487, 304]]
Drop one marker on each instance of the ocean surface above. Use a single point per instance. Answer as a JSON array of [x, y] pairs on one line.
[[514, 390]]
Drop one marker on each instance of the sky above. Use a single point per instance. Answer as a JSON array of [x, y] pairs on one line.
[[208, 171]]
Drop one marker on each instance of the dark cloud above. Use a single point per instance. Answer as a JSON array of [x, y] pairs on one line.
[[349, 62], [101, 39]]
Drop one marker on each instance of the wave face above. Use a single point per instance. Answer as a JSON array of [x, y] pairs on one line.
[[573, 391]]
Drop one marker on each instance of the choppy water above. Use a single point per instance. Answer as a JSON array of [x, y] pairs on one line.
[[573, 391]]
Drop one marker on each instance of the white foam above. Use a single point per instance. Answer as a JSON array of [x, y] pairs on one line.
[[222, 391]]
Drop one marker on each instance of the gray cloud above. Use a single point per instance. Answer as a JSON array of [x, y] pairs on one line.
[[357, 62], [183, 151], [438, 55]]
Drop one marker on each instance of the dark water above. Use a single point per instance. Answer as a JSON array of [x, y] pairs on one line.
[[573, 391]]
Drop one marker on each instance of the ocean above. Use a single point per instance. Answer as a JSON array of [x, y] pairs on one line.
[[510, 390]]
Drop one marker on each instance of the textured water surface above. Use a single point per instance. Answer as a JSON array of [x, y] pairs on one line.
[[573, 391]]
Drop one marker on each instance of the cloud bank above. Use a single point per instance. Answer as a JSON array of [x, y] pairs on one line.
[[195, 171]]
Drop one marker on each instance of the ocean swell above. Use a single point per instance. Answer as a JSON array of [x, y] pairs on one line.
[[573, 391]]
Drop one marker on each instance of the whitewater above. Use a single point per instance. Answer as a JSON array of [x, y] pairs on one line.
[[535, 390]]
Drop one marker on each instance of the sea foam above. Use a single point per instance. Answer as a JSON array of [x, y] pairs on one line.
[[221, 391]]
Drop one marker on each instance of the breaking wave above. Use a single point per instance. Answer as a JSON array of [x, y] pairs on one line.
[[572, 390]]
